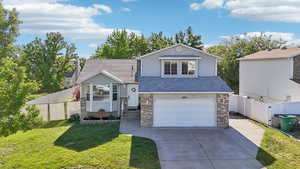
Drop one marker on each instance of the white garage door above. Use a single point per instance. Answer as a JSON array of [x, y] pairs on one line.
[[182, 111]]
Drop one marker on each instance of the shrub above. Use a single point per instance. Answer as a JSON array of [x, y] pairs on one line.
[[20, 121], [75, 117]]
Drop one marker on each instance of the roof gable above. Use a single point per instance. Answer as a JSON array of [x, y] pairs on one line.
[[179, 45]]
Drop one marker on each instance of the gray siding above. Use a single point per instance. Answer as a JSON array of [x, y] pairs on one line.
[[297, 68], [151, 65]]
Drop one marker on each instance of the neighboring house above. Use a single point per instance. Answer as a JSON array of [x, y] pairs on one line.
[[68, 80], [271, 75], [175, 87], [71, 77]]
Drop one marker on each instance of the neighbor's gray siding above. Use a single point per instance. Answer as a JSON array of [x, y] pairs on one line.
[[151, 65], [297, 68]]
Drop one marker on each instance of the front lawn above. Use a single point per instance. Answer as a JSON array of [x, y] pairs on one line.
[[278, 151], [64, 145]]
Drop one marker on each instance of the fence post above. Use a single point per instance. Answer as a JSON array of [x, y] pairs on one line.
[[66, 110], [48, 111]]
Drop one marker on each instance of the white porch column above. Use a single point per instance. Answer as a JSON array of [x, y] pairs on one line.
[[91, 97], [110, 96]]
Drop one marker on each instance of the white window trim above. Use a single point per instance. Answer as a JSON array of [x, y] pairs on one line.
[[179, 68], [163, 68], [196, 68]]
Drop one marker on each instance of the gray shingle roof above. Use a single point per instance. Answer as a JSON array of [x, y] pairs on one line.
[[179, 56], [124, 69], [273, 54], [200, 84]]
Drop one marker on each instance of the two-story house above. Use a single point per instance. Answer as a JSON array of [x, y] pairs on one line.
[[271, 75], [176, 86]]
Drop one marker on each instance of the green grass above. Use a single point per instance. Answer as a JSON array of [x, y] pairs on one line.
[[65, 145], [278, 151], [296, 132]]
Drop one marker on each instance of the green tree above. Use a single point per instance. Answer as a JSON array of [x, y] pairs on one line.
[[47, 61], [81, 63], [14, 88], [122, 45], [189, 38], [158, 41], [8, 32], [236, 47]]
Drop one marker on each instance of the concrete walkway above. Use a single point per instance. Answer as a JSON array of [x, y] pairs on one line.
[[198, 148]]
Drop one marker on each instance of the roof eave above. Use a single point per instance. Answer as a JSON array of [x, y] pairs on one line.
[[246, 59], [212, 92]]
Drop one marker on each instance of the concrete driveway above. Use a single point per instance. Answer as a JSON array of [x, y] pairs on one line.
[[196, 148]]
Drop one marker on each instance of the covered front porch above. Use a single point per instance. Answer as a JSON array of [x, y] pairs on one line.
[[106, 93], [102, 93]]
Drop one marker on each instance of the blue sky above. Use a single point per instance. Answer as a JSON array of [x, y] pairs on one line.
[[88, 22]]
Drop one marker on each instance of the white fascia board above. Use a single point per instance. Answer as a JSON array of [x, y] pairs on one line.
[[186, 92], [111, 76], [181, 58]]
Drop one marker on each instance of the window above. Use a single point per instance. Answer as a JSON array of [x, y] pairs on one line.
[[167, 68], [188, 68], [115, 93], [174, 68], [100, 92], [170, 68]]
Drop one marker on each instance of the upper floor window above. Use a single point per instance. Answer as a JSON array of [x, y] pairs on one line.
[[188, 67], [170, 68]]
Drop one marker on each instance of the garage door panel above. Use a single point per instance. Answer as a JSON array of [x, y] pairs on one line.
[[194, 112]]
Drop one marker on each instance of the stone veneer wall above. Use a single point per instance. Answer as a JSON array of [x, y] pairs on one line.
[[146, 101], [222, 110]]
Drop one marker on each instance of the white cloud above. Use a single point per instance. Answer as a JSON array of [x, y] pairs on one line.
[[128, 0], [126, 9], [265, 10], [93, 45], [76, 22], [258, 10], [209, 4], [290, 38], [103, 8], [274, 35]]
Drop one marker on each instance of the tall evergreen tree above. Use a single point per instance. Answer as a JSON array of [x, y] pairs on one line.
[[8, 32], [189, 38]]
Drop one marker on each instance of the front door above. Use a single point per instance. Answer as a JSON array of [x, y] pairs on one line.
[[133, 95]]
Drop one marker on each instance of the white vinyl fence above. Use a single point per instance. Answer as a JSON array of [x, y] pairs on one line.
[[58, 111], [260, 111]]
